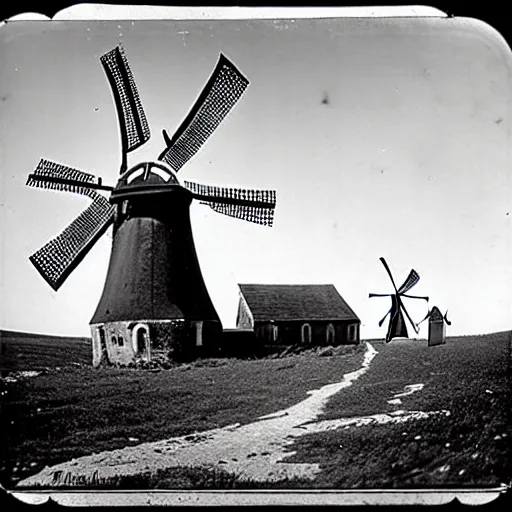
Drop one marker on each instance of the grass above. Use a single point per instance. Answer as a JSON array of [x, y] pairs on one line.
[[469, 376], [183, 478], [24, 351], [78, 411], [60, 415]]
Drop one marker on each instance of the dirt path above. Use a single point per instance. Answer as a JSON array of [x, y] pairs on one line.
[[256, 451]]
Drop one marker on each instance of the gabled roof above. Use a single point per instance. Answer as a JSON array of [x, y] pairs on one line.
[[296, 302], [435, 314]]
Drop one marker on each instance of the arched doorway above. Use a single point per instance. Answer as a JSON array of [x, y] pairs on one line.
[[330, 335], [306, 333], [141, 342], [275, 333]]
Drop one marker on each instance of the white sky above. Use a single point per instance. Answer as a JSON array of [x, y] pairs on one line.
[[409, 160]]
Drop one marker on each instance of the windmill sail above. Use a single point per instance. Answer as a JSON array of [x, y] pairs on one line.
[[47, 169], [253, 214], [383, 319], [251, 205], [59, 257], [422, 320], [411, 281], [246, 197], [132, 118], [222, 91]]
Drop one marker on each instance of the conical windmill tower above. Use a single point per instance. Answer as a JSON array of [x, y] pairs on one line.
[[436, 326], [397, 327], [154, 301]]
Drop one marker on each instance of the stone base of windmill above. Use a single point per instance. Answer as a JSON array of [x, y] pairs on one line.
[[151, 344]]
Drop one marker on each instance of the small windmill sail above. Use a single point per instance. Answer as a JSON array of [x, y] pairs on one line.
[[435, 312], [397, 327]]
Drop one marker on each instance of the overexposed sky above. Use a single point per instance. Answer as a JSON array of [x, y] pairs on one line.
[[409, 159]]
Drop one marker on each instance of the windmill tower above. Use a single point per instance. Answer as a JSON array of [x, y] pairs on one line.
[[397, 327], [436, 326], [154, 302]]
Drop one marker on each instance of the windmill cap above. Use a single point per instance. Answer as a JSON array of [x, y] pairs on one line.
[[146, 178]]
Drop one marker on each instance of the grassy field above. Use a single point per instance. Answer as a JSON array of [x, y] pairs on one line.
[[21, 351], [63, 414], [76, 411], [469, 376]]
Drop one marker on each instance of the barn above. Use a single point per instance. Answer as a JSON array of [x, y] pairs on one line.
[[292, 314]]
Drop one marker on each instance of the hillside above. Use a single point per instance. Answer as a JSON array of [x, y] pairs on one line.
[[468, 377], [22, 351], [458, 391]]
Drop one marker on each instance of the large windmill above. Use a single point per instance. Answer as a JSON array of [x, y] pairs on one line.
[[397, 327], [154, 299]]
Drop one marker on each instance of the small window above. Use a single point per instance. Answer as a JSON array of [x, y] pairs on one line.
[[114, 340], [275, 332], [120, 340], [160, 172], [306, 333], [134, 174], [352, 329], [199, 334], [330, 334]]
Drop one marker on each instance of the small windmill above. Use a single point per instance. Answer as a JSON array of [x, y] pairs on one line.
[[436, 326], [154, 276], [397, 326]]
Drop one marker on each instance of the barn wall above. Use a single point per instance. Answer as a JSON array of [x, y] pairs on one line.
[[240, 343], [244, 318], [290, 332]]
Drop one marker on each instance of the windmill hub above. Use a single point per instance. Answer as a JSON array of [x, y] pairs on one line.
[[146, 178]]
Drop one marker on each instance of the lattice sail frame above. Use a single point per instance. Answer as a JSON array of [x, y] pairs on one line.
[[257, 205], [265, 197], [132, 118], [59, 257], [411, 281], [219, 96], [263, 216], [47, 168]]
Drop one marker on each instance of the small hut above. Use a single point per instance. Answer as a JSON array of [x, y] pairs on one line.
[[436, 327]]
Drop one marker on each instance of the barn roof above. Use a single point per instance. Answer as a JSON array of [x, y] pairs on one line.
[[296, 302]]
